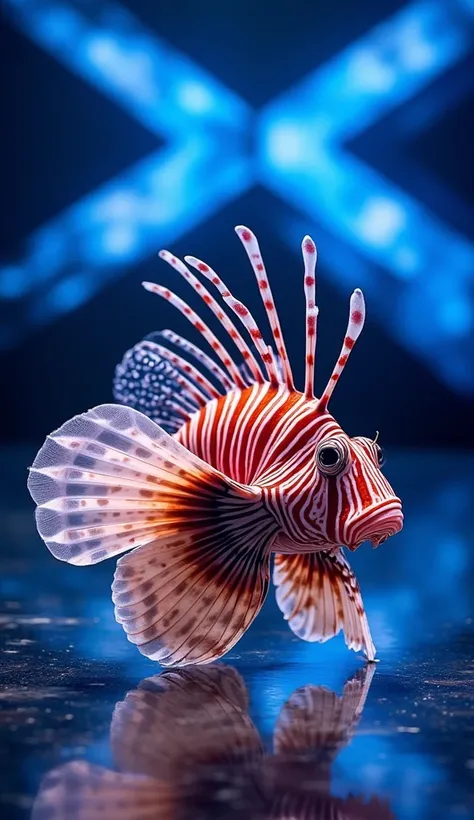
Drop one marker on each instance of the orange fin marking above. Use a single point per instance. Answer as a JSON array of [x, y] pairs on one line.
[[319, 595]]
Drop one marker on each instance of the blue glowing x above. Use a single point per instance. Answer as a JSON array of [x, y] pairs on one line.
[[415, 268], [202, 165]]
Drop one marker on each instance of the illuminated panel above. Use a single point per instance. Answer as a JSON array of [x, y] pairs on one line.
[[202, 166], [418, 270]]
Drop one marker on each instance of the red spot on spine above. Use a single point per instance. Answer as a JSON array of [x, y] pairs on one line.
[[311, 325], [356, 317], [259, 266], [215, 345], [166, 293], [349, 343], [343, 360], [334, 377], [246, 236], [309, 247], [276, 333], [227, 362], [102, 502], [207, 299], [173, 260], [255, 333], [269, 305], [240, 309], [245, 354], [267, 358], [187, 311], [199, 326], [215, 279], [263, 284], [310, 360], [309, 281], [203, 267]]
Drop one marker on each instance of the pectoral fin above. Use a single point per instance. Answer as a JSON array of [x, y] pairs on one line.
[[112, 480], [319, 595]]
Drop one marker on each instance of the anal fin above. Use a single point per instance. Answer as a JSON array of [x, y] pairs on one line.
[[190, 598], [319, 595]]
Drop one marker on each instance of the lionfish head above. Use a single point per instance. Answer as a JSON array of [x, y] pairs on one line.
[[355, 502]]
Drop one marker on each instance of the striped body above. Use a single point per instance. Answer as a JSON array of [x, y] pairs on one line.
[[267, 437]]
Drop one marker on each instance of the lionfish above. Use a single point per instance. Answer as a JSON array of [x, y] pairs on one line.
[[226, 465]]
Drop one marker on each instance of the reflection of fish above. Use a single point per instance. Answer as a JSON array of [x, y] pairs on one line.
[[313, 727], [185, 747], [253, 467]]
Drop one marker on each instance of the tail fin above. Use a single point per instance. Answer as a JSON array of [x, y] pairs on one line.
[[112, 480]]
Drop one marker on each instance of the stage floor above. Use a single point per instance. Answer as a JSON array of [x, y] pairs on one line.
[[280, 728]]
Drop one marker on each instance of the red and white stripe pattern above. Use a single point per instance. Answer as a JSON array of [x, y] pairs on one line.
[[266, 433]]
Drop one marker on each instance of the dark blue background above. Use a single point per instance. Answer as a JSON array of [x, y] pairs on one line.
[[63, 138]]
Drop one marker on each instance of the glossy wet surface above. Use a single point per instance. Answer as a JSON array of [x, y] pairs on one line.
[[89, 728]]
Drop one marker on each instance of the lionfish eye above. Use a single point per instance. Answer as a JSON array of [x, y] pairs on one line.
[[332, 457], [380, 455]]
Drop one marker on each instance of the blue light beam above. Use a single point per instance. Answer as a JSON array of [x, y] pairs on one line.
[[428, 308]]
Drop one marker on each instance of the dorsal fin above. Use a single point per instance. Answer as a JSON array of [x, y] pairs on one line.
[[193, 350], [236, 379], [226, 323], [155, 381], [249, 241], [354, 329], [277, 365], [243, 314], [310, 256]]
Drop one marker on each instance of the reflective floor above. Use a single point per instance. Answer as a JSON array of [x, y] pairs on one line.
[[280, 729]]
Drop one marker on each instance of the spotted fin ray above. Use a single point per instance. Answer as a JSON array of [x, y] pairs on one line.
[[319, 595], [112, 480]]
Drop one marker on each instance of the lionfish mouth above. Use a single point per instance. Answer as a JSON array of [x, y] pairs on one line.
[[376, 524]]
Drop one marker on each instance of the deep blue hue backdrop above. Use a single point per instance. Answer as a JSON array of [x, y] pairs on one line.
[[135, 126]]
